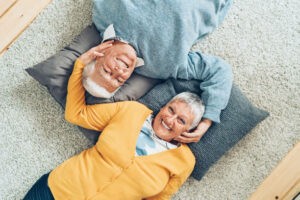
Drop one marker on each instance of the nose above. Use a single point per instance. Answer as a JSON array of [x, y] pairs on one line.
[[170, 120], [117, 71]]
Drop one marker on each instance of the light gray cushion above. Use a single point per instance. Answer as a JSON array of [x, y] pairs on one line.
[[237, 119]]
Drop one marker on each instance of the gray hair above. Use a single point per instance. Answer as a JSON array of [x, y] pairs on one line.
[[194, 102]]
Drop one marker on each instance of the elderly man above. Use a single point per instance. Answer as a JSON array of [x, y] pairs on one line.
[[161, 33], [104, 76]]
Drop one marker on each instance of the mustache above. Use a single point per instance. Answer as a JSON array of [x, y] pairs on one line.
[[100, 73]]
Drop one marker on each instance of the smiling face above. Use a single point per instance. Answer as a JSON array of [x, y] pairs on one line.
[[115, 67], [172, 120]]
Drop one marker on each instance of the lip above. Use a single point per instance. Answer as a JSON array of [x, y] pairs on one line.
[[165, 125]]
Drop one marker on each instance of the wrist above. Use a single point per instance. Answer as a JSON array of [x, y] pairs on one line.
[[204, 124], [207, 121], [83, 59]]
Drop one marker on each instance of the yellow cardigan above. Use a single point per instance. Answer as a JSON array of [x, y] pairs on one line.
[[110, 169]]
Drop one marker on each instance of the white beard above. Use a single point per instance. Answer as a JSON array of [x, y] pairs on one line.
[[92, 87]]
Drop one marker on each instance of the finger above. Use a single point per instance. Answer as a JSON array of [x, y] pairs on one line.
[[98, 54], [191, 134], [183, 139], [104, 45]]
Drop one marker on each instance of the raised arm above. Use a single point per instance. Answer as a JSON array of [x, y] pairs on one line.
[[93, 117], [215, 76]]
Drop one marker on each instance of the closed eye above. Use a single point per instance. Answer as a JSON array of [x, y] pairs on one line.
[[171, 110], [124, 63], [181, 121], [106, 71]]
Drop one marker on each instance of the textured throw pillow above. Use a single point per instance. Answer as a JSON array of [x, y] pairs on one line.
[[237, 119], [54, 72]]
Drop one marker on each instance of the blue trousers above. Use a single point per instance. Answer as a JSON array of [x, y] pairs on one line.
[[40, 190]]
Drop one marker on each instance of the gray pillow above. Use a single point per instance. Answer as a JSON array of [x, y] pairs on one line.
[[237, 119]]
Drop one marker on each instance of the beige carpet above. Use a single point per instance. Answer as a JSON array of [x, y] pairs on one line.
[[261, 39]]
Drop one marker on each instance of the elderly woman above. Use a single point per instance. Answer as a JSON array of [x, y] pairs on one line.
[[135, 156]]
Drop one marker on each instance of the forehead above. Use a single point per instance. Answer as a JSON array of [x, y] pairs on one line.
[[182, 109]]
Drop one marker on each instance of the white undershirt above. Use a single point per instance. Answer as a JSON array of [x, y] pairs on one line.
[[148, 143]]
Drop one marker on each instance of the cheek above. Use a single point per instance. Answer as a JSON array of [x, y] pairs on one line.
[[106, 61], [182, 129], [129, 71], [179, 129], [163, 112], [125, 76], [167, 116], [93, 76], [99, 61]]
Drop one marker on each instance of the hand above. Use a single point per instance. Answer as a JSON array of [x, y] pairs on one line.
[[197, 134], [95, 52]]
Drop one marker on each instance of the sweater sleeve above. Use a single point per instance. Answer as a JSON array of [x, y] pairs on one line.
[[215, 76], [172, 187], [94, 117]]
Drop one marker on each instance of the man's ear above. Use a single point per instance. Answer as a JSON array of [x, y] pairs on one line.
[[139, 62]]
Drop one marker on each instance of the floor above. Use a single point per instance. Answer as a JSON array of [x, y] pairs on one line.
[[15, 17]]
